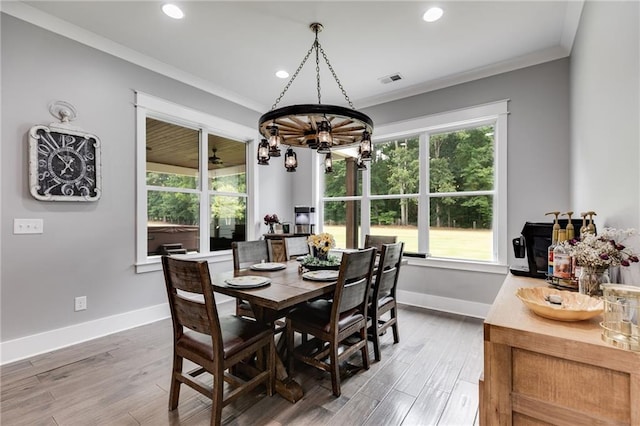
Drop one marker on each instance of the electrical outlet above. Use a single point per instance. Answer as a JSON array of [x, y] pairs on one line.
[[81, 303], [28, 226]]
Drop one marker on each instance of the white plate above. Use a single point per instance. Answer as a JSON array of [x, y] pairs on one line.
[[268, 266], [247, 281], [322, 275]]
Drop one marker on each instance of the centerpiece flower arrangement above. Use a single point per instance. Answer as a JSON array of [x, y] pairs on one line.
[[595, 254], [271, 219], [319, 258]]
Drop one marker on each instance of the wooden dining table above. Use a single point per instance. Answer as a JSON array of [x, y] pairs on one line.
[[271, 302]]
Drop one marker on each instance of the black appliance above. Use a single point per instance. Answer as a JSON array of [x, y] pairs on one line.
[[534, 243]]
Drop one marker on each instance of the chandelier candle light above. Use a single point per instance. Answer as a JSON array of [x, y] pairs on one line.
[[316, 126]]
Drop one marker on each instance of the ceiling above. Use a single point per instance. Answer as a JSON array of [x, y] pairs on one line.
[[234, 48]]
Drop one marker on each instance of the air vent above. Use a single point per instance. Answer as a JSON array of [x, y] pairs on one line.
[[391, 78]]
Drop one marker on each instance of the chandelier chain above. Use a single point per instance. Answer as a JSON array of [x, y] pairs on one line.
[[293, 77], [317, 45], [335, 77]]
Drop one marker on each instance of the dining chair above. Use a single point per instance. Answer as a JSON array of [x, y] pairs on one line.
[[378, 240], [339, 322], [296, 246], [245, 254], [215, 344], [383, 299]]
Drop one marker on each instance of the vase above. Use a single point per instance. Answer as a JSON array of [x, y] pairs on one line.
[[271, 230], [590, 280], [322, 255]]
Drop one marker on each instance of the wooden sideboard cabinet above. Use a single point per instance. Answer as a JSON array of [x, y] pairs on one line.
[[276, 245], [544, 372]]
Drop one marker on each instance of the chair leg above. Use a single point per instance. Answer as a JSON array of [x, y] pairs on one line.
[[376, 342], [174, 392], [217, 400], [365, 348], [335, 369], [396, 336]]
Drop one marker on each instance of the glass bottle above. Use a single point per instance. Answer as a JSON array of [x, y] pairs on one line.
[[554, 242], [562, 260]]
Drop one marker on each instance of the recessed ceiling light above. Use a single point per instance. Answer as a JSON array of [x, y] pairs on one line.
[[282, 74], [172, 11], [433, 14]]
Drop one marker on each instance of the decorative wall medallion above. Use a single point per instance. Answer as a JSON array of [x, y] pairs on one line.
[[64, 161]]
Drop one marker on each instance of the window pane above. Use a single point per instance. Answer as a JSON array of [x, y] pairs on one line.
[[461, 227], [227, 165], [345, 180], [395, 167], [228, 221], [172, 155], [172, 219], [341, 217], [397, 217], [461, 160]]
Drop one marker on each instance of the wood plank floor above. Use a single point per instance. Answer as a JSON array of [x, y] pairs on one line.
[[429, 378]]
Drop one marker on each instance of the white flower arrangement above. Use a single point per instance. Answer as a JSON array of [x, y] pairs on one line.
[[602, 251]]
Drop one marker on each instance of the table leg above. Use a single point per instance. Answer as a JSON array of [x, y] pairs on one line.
[[288, 388]]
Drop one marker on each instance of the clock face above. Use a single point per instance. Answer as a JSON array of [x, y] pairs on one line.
[[64, 165]]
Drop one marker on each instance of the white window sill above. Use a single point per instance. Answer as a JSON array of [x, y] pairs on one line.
[[154, 263], [460, 265]]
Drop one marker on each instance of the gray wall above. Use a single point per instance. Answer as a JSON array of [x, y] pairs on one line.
[[605, 113], [86, 248]]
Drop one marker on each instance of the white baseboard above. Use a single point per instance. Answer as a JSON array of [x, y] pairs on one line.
[[28, 346], [36, 344], [445, 304]]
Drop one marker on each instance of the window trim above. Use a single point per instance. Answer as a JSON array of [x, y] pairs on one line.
[[493, 112], [157, 108]]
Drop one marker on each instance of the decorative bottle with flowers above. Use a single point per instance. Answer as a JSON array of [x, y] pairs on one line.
[[595, 254]]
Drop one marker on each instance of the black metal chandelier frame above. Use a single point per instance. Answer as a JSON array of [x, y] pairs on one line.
[[316, 126]]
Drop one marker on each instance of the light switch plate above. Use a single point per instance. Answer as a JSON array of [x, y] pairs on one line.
[[28, 226]]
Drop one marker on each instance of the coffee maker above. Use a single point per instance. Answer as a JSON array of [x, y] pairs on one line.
[[533, 244], [305, 219]]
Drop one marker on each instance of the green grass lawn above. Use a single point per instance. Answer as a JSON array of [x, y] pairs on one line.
[[473, 244]]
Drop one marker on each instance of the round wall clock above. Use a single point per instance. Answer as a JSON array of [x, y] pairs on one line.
[[64, 164]]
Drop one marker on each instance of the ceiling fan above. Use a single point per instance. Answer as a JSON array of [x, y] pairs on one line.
[[214, 159]]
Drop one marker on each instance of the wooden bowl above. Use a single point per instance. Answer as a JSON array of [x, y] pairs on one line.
[[574, 307]]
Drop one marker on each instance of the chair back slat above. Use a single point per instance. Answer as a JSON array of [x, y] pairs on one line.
[[388, 270], [192, 314], [378, 240], [247, 253], [354, 281], [191, 298], [352, 295], [296, 246]]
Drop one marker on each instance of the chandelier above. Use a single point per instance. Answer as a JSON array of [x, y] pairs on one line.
[[316, 126]]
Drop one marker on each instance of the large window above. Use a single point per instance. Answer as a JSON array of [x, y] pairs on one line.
[[193, 193], [438, 183]]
